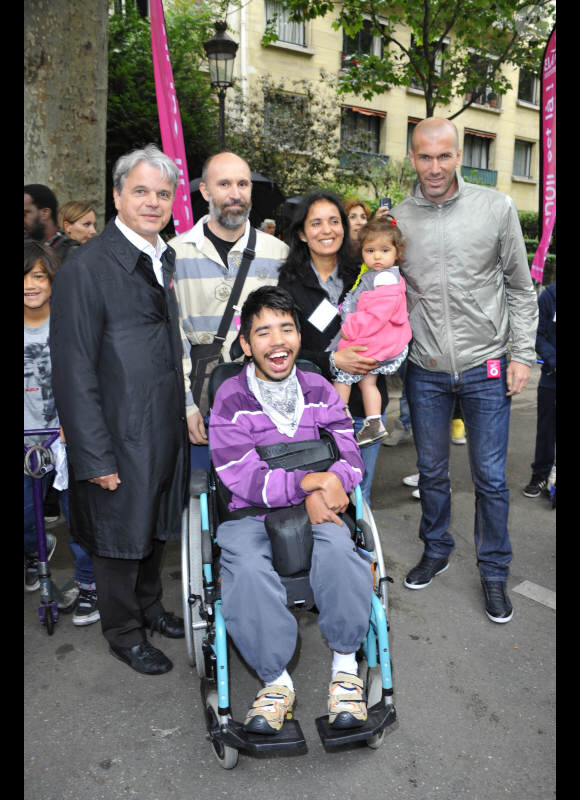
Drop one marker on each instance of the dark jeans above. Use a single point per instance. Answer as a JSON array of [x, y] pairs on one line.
[[82, 560], [369, 456], [486, 411], [545, 453]]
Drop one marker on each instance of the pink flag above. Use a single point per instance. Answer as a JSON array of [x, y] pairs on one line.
[[548, 187], [169, 117]]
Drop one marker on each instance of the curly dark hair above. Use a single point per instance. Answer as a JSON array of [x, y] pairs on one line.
[[297, 263]]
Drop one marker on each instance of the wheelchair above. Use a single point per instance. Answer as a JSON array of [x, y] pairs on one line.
[[205, 631]]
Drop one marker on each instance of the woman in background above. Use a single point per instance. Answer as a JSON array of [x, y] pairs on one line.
[[78, 220]]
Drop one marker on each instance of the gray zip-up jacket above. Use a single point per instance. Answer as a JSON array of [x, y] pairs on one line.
[[469, 290]]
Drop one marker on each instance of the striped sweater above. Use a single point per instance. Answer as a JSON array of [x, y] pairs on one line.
[[238, 423], [203, 286]]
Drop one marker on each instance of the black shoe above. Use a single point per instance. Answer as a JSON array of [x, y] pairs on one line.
[[143, 657], [497, 603], [167, 624], [537, 485], [422, 575]]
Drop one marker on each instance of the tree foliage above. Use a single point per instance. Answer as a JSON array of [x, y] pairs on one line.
[[287, 130], [132, 118], [497, 33]]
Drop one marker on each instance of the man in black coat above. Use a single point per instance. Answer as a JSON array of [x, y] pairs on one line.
[[118, 384]]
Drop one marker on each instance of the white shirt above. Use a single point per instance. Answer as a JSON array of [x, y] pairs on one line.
[[146, 247]]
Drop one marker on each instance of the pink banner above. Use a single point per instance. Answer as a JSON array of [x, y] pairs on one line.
[[169, 117], [548, 188]]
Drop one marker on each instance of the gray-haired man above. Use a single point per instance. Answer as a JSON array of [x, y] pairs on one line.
[[118, 384]]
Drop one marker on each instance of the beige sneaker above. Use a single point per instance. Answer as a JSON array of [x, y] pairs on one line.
[[269, 710], [372, 431], [347, 706]]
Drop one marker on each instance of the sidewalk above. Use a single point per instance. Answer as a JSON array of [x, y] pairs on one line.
[[475, 701]]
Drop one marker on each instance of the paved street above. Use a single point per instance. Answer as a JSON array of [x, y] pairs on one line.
[[475, 700]]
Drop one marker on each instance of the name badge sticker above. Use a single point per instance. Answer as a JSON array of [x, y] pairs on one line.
[[323, 315], [493, 368]]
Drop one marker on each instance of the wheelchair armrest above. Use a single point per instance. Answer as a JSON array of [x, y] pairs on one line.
[[198, 482]]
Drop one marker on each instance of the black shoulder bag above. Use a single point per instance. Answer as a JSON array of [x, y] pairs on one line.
[[204, 357]]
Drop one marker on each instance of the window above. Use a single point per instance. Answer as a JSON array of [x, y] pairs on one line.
[[476, 150], [411, 124], [415, 83], [360, 129], [362, 43], [287, 31], [483, 94], [477, 157], [523, 159], [529, 88]]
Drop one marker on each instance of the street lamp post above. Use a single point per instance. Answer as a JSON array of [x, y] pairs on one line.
[[221, 52]]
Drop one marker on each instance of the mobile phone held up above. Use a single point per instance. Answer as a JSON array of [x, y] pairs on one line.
[[386, 201]]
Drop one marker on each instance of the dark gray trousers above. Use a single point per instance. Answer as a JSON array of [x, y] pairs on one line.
[[254, 598]]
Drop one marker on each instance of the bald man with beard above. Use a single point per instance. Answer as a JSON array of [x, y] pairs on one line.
[[208, 258]]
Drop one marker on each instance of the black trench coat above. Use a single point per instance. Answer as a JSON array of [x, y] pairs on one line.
[[118, 384]]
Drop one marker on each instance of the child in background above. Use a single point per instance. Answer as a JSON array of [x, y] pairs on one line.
[[374, 314], [40, 266]]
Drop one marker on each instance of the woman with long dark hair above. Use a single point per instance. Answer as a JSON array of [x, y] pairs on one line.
[[318, 273]]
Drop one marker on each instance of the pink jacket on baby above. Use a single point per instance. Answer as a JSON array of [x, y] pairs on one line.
[[380, 322]]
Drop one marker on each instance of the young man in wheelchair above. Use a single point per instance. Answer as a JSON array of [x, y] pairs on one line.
[[271, 401]]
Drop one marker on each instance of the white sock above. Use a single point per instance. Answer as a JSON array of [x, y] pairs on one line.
[[344, 662], [373, 416], [282, 680]]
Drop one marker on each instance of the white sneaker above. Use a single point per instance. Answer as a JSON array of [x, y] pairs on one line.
[[411, 480]]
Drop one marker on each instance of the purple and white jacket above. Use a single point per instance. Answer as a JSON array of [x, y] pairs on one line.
[[238, 424]]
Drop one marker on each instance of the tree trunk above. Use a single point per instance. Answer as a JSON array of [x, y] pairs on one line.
[[65, 98]]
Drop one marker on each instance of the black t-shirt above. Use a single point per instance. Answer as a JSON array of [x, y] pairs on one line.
[[221, 245]]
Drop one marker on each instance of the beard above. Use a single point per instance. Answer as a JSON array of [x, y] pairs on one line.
[[226, 218], [36, 232]]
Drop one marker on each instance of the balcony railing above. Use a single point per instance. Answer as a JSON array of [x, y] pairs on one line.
[[485, 177]]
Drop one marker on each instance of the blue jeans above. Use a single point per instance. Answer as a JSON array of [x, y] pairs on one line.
[[369, 456], [404, 415], [486, 411], [82, 560]]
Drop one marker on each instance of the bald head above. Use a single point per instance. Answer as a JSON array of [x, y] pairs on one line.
[[435, 155], [226, 184], [223, 159], [435, 127]]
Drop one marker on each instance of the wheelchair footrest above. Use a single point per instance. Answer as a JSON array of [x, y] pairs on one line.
[[290, 739], [379, 716]]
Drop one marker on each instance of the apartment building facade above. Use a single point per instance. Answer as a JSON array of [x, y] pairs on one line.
[[499, 135]]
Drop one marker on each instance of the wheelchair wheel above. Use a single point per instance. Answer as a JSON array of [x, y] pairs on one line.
[[192, 583], [226, 756]]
